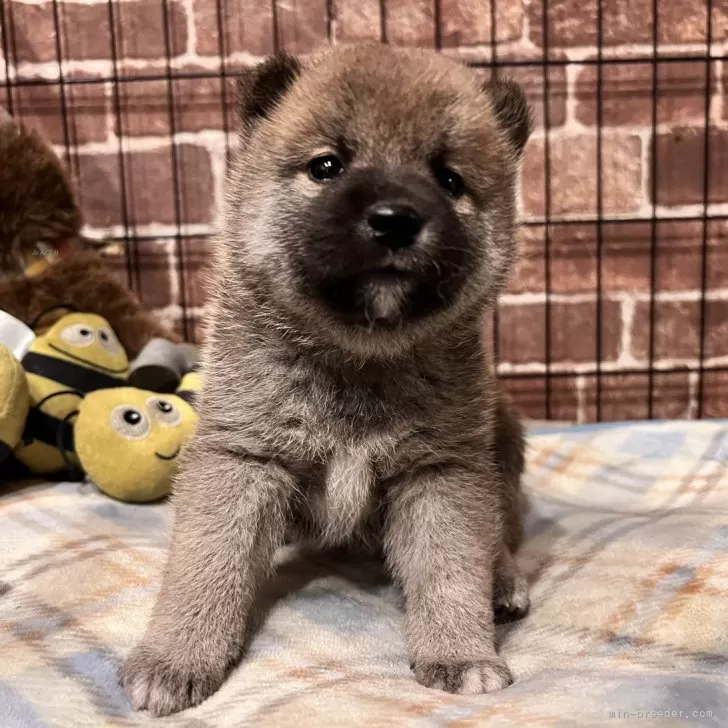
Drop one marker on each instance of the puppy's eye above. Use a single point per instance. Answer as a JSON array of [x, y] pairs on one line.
[[326, 168], [450, 181]]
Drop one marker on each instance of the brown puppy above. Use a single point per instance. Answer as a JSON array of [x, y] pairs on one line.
[[369, 225]]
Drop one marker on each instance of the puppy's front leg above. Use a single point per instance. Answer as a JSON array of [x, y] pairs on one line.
[[230, 516], [443, 535]]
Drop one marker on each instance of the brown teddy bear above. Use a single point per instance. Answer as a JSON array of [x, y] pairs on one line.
[[44, 260]]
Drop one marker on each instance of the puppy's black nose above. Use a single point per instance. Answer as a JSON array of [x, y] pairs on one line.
[[395, 224]]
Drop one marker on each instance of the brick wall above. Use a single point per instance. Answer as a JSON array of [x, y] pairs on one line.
[[573, 332]]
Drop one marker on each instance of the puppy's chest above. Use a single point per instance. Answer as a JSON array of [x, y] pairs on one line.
[[346, 496]]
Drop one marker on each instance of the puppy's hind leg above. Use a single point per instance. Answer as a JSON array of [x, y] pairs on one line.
[[510, 588], [230, 516]]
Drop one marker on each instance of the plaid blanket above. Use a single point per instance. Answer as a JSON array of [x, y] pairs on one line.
[[627, 554]]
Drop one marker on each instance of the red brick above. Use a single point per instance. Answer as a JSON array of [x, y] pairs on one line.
[[572, 259], [247, 27], [716, 329], [687, 22], [626, 250], [140, 29], [302, 25], [677, 330], [357, 20], [149, 188], [679, 251], [468, 22], [410, 22], [626, 396], [679, 167], [528, 276], [529, 395], [573, 179], [627, 93], [197, 105], [715, 394], [194, 270], [522, 332], [85, 33], [87, 111], [574, 22], [717, 254], [32, 32], [85, 30]]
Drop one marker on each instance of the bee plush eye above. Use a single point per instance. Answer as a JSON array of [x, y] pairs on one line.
[[129, 422], [163, 412], [450, 181], [108, 340], [325, 168], [78, 335]]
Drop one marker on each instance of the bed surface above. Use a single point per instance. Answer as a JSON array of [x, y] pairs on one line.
[[627, 553]]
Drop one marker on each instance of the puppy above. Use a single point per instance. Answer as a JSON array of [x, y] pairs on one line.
[[369, 225]]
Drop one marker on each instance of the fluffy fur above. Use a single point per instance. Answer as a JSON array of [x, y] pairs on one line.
[[347, 399], [37, 205], [36, 198], [83, 281]]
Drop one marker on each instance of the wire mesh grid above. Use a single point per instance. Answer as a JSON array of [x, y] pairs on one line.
[[618, 308]]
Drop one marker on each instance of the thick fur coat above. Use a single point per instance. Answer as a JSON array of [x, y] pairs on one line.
[[347, 399]]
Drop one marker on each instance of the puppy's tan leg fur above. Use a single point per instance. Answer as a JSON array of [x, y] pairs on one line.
[[442, 534], [230, 516]]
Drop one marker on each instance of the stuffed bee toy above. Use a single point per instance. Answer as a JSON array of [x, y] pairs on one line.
[[15, 339], [127, 441], [68, 407], [13, 402], [78, 353]]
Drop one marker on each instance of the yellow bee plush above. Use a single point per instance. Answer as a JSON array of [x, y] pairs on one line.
[[190, 385], [79, 353], [128, 440], [14, 400], [66, 405]]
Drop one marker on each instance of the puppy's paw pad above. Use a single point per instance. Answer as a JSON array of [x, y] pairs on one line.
[[162, 685], [465, 678]]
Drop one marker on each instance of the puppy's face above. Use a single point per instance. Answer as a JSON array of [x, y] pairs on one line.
[[372, 199]]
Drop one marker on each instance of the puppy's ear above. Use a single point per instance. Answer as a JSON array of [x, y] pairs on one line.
[[261, 87], [512, 111]]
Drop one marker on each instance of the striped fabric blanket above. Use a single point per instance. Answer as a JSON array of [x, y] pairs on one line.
[[627, 555]]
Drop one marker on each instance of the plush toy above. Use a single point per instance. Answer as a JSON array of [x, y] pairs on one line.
[[68, 406], [44, 259], [15, 340], [79, 353], [127, 441], [190, 385], [14, 401], [37, 204], [61, 410], [161, 365]]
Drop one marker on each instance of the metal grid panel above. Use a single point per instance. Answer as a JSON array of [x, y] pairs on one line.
[[93, 56]]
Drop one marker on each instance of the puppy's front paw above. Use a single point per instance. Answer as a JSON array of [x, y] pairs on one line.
[[165, 682], [465, 678]]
